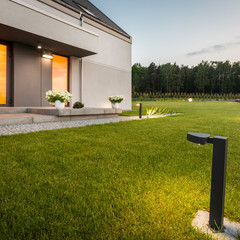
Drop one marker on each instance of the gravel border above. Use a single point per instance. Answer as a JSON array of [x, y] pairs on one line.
[[35, 127]]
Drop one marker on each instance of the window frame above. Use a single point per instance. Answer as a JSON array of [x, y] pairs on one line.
[[9, 81]]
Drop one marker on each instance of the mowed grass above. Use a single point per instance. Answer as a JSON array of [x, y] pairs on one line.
[[129, 180]]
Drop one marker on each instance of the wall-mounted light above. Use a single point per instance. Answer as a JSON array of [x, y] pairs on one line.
[[39, 46], [47, 55]]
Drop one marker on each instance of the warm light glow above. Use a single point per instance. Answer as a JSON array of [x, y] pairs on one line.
[[39, 46], [59, 73], [47, 56], [3, 74], [190, 100], [138, 104]]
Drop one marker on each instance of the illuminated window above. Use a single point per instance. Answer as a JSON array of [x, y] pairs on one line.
[[59, 73], [3, 74]]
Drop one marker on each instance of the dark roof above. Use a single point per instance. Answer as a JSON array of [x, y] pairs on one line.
[[95, 11]]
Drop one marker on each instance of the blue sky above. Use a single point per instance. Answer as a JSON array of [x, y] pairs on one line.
[[185, 32]]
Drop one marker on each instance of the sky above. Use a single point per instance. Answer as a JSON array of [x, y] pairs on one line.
[[181, 31]]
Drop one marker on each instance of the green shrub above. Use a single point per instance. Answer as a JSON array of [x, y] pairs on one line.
[[78, 105]]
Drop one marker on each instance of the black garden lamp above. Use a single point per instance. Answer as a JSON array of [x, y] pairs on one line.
[[218, 181], [140, 109]]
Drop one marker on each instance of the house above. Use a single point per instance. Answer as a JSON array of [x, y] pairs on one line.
[[61, 45]]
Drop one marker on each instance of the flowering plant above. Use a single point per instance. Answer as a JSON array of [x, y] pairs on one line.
[[116, 99], [237, 100], [52, 96]]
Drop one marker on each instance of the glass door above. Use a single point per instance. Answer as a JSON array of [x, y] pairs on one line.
[[59, 73], [3, 74]]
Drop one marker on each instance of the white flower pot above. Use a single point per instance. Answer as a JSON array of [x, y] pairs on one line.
[[59, 105], [115, 105]]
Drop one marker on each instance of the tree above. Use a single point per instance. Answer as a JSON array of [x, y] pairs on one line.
[[152, 77], [202, 79], [206, 77], [167, 77]]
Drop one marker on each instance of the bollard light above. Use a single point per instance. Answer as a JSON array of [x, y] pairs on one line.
[[190, 100], [140, 109], [218, 181]]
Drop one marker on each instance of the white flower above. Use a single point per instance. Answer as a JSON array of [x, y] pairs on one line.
[[116, 99], [53, 96]]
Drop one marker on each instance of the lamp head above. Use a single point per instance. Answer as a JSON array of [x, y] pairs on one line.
[[199, 138], [47, 54], [39, 46]]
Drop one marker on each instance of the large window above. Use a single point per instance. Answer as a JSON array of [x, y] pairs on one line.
[[3, 74], [59, 73]]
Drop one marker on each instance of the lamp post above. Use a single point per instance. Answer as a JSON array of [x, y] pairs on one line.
[[140, 109], [218, 181]]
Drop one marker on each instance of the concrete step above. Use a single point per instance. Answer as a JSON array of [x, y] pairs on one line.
[[54, 112], [73, 111], [23, 118], [12, 110]]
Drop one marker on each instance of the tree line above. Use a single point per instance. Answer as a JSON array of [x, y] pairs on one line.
[[206, 78]]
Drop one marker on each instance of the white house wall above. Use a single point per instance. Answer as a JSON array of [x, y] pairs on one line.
[[52, 11], [108, 72]]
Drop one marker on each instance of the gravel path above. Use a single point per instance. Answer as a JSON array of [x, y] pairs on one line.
[[35, 127]]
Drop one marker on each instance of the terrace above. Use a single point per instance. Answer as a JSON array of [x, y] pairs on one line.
[[21, 115]]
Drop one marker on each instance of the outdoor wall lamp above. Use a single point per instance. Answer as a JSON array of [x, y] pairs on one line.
[[218, 181], [39, 46], [47, 54], [140, 109]]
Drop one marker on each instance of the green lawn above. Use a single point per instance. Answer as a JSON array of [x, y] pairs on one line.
[[129, 180]]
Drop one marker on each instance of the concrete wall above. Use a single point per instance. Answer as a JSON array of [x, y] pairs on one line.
[[101, 81], [46, 80], [108, 72], [75, 79], [32, 77], [52, 10]]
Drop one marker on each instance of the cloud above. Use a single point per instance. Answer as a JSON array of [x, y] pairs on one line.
[[214, 48]]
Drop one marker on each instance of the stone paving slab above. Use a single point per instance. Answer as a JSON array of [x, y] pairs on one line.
[[231, 230]]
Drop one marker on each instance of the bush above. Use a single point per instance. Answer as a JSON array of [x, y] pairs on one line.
[[78, 105]]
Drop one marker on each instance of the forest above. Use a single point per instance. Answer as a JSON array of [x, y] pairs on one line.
[[207, 78]]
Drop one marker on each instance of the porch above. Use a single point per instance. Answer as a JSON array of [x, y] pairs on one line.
[[26, 115]]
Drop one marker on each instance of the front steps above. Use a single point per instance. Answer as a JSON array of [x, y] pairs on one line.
[[11, 116], [13, 110]]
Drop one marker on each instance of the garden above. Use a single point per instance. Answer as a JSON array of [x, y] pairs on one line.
[[126, 180]]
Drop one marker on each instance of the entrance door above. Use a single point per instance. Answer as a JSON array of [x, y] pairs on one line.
[[60, 74], [5, 84]]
